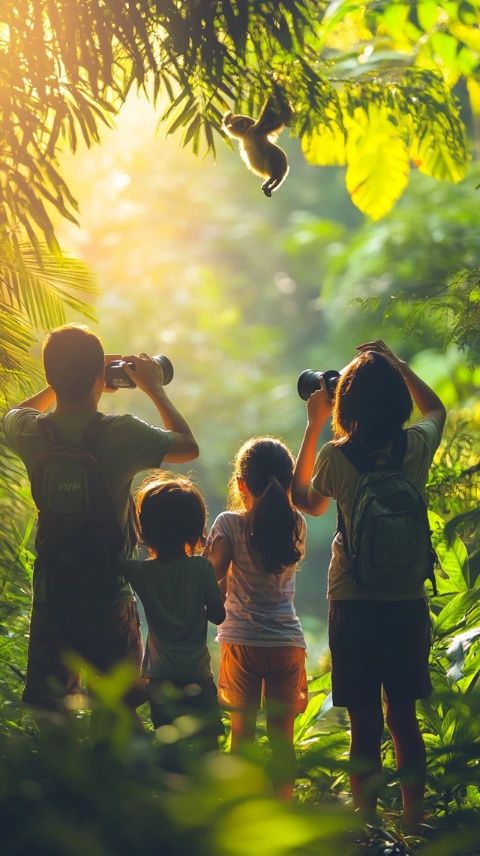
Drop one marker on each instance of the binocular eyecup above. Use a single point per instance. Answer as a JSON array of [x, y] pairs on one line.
[[117, 378], [310, 380]]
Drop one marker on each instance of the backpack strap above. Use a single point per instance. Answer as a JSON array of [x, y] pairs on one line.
[[49, 429], [398, 450], [364, 461], [90, 436], [94, 429], [354, 453], [342, 529], [52, 433]]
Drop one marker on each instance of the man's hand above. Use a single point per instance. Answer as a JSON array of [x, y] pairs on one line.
[[147, 374], [110, 358]]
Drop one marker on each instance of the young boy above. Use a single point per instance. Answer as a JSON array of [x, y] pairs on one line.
[[179, 593]]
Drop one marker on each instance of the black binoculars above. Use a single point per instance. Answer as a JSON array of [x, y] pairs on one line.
[[117, 378], [310, 380]]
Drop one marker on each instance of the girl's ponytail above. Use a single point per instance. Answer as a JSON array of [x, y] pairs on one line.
[[275, 529], [266, 466]]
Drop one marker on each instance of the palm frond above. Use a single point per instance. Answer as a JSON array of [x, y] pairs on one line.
[[40, 285]]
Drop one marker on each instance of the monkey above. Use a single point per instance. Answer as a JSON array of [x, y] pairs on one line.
[[256, 141]]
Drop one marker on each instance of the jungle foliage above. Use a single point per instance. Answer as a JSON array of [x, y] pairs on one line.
[[362, 78]]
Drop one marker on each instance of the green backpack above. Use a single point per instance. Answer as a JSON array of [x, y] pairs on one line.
[[79, 536], [388, 547]]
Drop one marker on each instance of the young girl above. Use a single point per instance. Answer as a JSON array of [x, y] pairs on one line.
[[377, 639], [179, 593], [255, 549]]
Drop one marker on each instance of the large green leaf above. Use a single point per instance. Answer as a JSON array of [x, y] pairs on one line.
[[378, 162], [461, 611], [431, 152], [470, 669], [317, 707], [325, 146], [453, 557]]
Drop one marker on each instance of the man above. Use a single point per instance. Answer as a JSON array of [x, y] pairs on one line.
[[100, 625]]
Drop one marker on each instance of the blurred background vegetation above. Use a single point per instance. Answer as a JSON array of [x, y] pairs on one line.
[[183, 255], [243, 295]]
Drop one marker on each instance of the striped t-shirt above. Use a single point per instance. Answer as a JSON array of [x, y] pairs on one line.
[[259, 606]]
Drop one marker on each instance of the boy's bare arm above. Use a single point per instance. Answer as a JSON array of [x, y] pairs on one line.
[[214, 607]]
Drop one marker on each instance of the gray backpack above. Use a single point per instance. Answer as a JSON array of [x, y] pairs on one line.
[[388, 547]]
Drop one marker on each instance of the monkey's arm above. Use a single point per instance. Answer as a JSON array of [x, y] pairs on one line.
[[272, 119]]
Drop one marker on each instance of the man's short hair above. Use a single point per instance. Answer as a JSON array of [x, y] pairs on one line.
[[73, 358]]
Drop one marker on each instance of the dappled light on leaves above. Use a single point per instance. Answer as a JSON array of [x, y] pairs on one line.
[[378, 163]]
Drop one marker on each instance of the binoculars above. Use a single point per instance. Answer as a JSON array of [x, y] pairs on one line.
[[310, 380], [117, 378]]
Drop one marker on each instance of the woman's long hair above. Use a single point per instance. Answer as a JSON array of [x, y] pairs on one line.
[[266, 466], [372, 401]]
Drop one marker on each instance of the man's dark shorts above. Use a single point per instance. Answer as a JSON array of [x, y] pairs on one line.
[[100, 631], [377, 644]]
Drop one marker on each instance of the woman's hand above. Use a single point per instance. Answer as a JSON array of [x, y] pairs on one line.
[[427, 401], [380, 347], [319, 408]]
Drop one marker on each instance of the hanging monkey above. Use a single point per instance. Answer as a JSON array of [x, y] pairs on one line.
[[256, 141]]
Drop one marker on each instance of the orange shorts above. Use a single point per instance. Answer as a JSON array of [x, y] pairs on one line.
[[249, 673]]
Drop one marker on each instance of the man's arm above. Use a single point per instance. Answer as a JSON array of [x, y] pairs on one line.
[[304, 496], [148, 376], [40, 401]]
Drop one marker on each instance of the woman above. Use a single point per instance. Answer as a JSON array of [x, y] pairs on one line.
[[379, 639]]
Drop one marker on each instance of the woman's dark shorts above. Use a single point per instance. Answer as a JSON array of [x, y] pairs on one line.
[[377, 644]]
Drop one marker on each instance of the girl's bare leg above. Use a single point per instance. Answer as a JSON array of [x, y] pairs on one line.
[[280, 734], [243, 728]]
